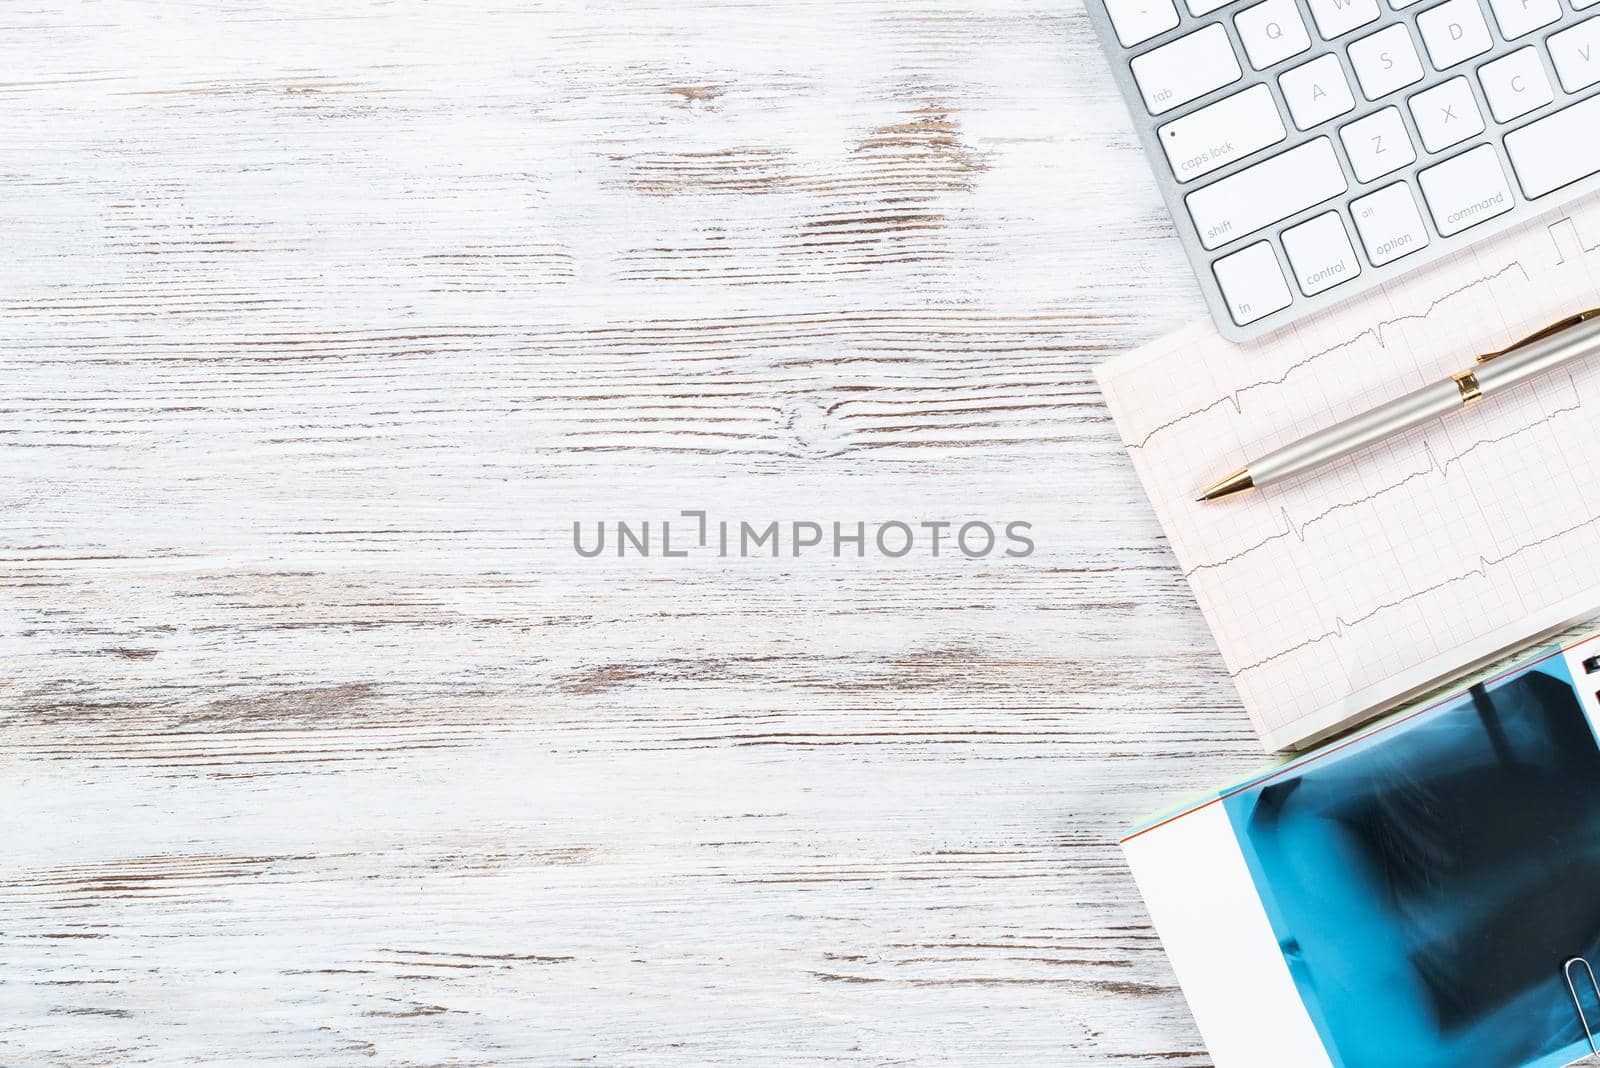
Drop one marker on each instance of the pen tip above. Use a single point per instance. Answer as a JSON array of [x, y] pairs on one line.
[[1237, 482]]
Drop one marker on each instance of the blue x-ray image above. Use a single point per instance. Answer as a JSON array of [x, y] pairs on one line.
[[1427, 882]]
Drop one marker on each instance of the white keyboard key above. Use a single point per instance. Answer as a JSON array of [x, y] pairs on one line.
[[1389, 224], [1454, 31], [1205, 7], [1220, 133], [1446, 115], [1320, 254], [1520, 17], [1580, 5], [1252, 283], [1386, 61], [1378, 145], [1515, 85], [1556, 150], [1316, 92], [1467, 190], [1336, 17], [1272, 32], [1258, 196], [1186, 69], [1401, 5], [1137, 21], [1576, 54]]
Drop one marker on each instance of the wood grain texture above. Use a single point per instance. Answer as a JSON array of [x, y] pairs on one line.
[[320, 325]]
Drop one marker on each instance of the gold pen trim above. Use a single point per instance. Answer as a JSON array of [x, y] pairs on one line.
[[1467, 383], [1237, 482], [1540, 335]]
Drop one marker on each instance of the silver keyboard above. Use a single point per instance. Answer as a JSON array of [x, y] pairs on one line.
[[1311, 149]]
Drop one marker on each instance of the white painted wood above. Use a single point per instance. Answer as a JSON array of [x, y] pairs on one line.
[[320, 324]]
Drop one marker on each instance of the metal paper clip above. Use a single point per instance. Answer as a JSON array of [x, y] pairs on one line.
[[1572, 989]]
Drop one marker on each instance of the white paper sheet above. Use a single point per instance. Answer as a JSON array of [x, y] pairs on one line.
[[1338, 594], [1217, 935]]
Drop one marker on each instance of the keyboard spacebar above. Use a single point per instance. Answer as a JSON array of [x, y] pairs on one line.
[[1259, 196], [1557, 150]]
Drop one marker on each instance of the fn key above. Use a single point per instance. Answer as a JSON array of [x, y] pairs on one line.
[[1252, 283]]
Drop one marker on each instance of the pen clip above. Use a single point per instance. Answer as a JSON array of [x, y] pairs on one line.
[[1553, 328]]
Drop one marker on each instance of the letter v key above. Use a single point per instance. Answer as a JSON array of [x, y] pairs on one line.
[[1573, 52]]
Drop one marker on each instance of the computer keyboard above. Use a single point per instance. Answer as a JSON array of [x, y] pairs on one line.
[[1311, 149]]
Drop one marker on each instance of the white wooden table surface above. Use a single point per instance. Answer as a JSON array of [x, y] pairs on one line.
[[320, 326]]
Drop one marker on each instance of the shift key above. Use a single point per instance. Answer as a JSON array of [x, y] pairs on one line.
[[1266, 193]]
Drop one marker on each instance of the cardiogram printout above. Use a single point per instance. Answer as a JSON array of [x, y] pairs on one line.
[[1336, 594]]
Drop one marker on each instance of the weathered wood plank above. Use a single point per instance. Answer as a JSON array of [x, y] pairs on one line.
[[321, 327]]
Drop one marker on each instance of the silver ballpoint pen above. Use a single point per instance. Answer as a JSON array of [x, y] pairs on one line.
[[1572, 338]]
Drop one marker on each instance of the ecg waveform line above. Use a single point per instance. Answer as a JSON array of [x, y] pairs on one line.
[[1340, 624], [1375, 332], [1434, 465], [1583, 250]]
